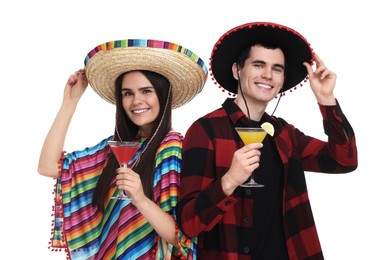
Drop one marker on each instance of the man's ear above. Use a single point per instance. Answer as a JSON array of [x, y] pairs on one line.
[[235, 71]]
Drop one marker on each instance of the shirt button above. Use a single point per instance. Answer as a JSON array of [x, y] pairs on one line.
[[247, 219], [248, 192], [227, 203], [246, 250]]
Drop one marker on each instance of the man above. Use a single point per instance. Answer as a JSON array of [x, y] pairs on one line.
[[257, 61]]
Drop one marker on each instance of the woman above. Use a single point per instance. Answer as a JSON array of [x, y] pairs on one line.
[[145, 79]]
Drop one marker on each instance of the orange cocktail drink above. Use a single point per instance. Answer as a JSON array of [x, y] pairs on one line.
[[251, 135], [254, 135]]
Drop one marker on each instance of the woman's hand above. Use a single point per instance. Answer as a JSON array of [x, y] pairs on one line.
[[130, 182], [75, 86]]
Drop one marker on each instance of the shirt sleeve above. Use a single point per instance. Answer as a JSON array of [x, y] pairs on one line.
[[339, 153], [73, 186], [202, 202]]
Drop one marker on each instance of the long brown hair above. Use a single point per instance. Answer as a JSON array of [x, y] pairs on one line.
[[126, 130]]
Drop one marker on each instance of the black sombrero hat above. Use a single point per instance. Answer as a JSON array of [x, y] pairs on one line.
[[295, 47]]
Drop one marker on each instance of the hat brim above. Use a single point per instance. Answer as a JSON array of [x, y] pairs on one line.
[[185, 71], [294, 46]]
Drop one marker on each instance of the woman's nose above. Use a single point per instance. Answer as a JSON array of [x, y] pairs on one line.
[[137, 99]]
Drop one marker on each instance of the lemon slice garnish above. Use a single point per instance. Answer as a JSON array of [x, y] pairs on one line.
[[269, 128]]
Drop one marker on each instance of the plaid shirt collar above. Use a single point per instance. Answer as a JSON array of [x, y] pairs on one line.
[[238, 118]]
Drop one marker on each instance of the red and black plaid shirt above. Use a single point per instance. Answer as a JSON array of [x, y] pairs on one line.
[[218, 220]]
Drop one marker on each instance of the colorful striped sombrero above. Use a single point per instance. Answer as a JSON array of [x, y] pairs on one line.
[[186, 72]]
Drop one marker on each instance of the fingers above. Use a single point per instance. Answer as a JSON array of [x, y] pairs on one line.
[[244, 162], [325, 73], [84, 77], [72, 80], [125, 173], [318, 61], [252, 146], [319, 64], [130, 182], [248, 155], [253, 160], [126, 176], [321, 70], [308, 68], [249, 150]]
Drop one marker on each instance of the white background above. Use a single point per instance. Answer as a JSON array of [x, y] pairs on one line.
[[43, 42]]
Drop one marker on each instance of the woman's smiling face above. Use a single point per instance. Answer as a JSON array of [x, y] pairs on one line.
[[140, 101]]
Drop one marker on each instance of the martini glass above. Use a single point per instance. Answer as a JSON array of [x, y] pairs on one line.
[[251, 135], [124, 152]]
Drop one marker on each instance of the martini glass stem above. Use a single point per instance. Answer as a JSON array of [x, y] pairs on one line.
[[122, 195], [252, 182]]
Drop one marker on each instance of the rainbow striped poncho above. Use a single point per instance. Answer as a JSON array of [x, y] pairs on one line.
[[121, 232]]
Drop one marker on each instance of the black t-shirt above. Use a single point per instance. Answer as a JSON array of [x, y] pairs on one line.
[[269, 238]]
